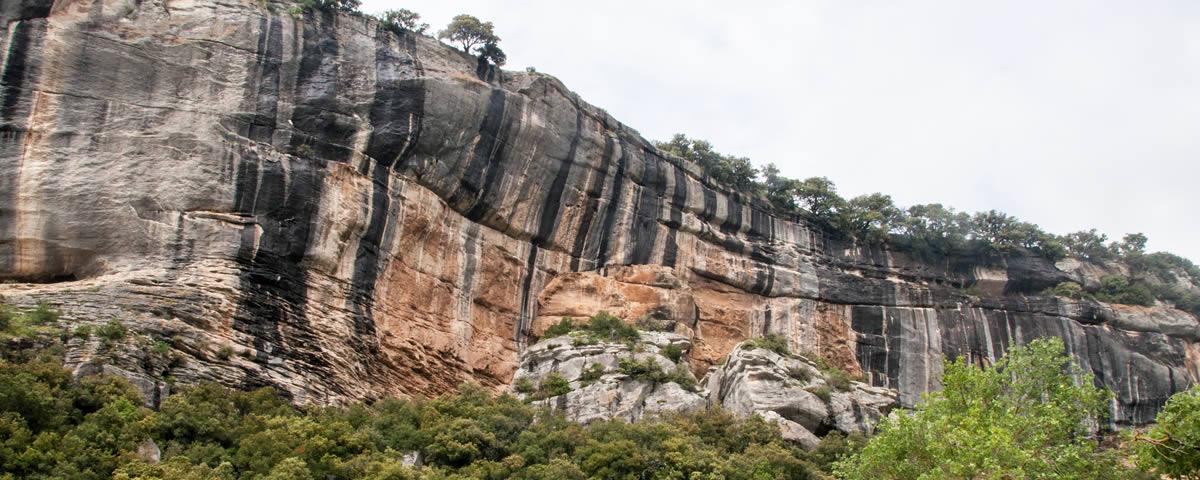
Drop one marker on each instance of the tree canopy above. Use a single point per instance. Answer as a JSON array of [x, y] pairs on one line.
[[1028, 416], [475, 37], [403, 20]]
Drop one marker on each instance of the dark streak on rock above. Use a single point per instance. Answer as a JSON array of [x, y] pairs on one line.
[[678, 202], [595, 191], [283, 198], [610, 215], [644, 227]]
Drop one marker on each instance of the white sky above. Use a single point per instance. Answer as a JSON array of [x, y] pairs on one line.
[[1069, 114]]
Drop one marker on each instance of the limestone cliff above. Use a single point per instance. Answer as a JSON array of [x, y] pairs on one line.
[[356, 213]]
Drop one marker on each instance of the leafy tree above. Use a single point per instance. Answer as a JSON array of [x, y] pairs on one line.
[[492, 53], [1172, 446], [933, 230], [819, 196], [735, 172], [780, 190], [403, 20], [872, 218], [339, 5], [1024, 417], [469, 32], [1132, 244], [1088, 245]]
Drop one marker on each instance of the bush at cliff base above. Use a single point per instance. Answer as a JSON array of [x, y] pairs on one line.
[[1172, 446], [1027, 417]]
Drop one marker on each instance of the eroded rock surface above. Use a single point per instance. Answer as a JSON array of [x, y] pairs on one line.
[[357, 213], [792, 392], [612, 394]]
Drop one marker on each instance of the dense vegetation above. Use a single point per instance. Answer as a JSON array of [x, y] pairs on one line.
[[1029, 416], [1024, 417], [935, 232], [1172, 446], [52, 426]]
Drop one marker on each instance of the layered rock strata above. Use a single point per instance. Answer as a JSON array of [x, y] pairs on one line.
[[356, 212]]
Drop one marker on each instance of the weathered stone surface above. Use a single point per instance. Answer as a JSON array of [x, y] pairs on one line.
[[356, 213], [788, 391], [614, 395]]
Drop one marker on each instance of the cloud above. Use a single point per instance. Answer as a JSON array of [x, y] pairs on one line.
[[1072, 114]]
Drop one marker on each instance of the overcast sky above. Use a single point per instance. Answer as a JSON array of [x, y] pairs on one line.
[[1068, 114]]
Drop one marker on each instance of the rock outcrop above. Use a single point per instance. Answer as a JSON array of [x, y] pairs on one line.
[[791, 391], [355, 212], [794, 393], [612, 393]]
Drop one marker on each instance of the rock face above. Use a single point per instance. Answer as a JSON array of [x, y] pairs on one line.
[[789, 390], [612, 394], [357, 213], [792, 392]]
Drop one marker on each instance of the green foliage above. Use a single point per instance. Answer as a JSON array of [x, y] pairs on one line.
[[41, 321], [672, 351], [772, 342], [403, 20], [1172, 446], [824, 392], [591, 373], [224, 352], [603, 326], [7, 315], [600, 327], [835, 377], [83, 332], [563, 327], [1069, 290], [736, 172], [552, 385], [475, 37], [1089, 245], [112, 331], [44, 314], [524, 385], [1118, 289], [330, 5], [1024, 417]]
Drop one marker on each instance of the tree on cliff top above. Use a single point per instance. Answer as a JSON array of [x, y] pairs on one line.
[[469, 32], [404, 20], [1024, 417]]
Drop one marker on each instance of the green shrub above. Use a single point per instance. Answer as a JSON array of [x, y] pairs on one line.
[[607, 327], [52, 426], [7, 315], [1172, 446], [160, 347], [1067, 289], [523, 385], [1118, 289], [800, 373], [645, 369], [563, 327], [591, 373], [553, 385], [1026, 416], [772, 342], [225, 352], [824, 392], [44, 314], [83, 332], [834, 376], [112, 331], [681, 376], [672, 351]]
